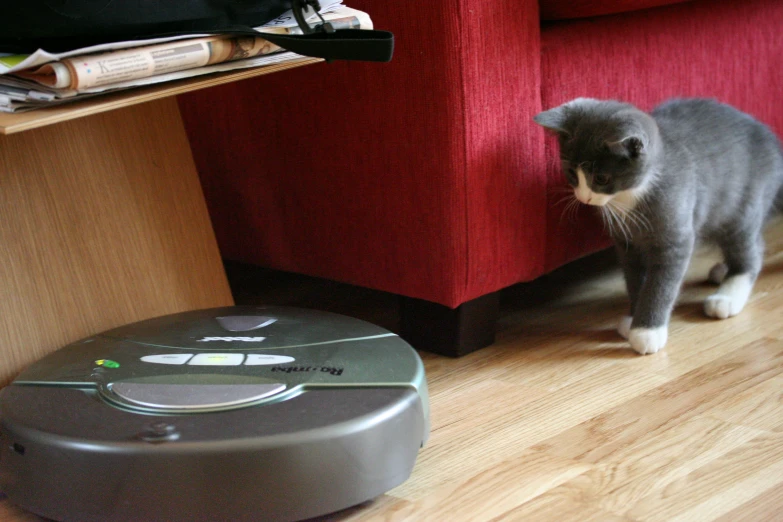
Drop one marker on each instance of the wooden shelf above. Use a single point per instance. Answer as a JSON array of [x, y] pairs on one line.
[[12, 123]]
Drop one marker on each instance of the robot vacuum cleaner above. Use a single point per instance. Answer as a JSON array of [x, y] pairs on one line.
[[239, 413]]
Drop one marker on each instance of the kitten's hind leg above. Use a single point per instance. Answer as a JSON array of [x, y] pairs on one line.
[[624, 327], [718, 273], [744, 254]]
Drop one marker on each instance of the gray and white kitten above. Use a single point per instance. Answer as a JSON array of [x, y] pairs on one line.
[[693, 170]]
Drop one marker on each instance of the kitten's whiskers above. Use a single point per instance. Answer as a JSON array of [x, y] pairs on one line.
[[618, 226], [563, 199], [632, 216], [606, 216], [570, 209]]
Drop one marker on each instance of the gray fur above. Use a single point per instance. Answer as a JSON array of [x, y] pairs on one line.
[[711, 172]]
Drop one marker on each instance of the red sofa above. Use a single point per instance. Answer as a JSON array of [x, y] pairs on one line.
[[426, 176]]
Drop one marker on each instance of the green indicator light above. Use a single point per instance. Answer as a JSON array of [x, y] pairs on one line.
[[107, 363]]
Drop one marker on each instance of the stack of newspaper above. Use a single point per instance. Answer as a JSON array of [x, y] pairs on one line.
[[43, 79]]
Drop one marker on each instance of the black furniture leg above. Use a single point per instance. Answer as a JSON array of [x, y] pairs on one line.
[[435, 328]]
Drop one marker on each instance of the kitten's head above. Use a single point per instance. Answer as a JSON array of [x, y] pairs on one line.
[[607, 148]]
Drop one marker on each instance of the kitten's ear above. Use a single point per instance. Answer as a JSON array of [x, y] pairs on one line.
[[629, 147], [634, 145], [636, 135], [557, 118], [553, 119]]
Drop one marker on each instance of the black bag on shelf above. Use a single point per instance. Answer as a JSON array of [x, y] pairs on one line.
[[62, 25]]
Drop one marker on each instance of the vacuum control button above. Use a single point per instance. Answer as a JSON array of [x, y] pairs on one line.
[[217, 359], [258, 359], [169, 358]]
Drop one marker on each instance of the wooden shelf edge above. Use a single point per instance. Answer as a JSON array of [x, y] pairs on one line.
[[13, 123]]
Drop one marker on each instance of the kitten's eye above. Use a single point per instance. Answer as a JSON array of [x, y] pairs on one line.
[[601, 179]]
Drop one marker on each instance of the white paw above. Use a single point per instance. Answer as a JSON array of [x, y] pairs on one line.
[[648, 340], [730, 298], [718, 306], [624, 328], [718, 273]]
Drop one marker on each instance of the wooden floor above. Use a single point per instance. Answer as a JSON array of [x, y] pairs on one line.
[[560, 421]]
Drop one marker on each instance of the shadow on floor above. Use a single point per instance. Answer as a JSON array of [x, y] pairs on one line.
[[253, 285]]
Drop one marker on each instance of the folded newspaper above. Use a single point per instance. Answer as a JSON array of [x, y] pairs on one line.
[[43, 79]]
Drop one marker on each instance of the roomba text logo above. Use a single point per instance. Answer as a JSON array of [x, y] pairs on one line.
[[296, 369], [229, 339]]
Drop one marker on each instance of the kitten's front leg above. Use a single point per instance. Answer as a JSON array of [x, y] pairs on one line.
[[666, 267], [634, 273]]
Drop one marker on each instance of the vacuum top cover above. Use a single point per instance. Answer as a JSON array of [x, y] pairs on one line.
[[219, 359]]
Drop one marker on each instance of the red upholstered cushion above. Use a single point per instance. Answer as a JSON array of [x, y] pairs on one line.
[[723, 49], [420, 177], [564, 9]]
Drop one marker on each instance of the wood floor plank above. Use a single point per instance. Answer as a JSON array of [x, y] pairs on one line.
[[487, 494], [718, 487], [759, 407], [495, 434], [690, 352], [552, 373], [561, 504], [638, 470], [664, 407], [451, 401], [767, 506]]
